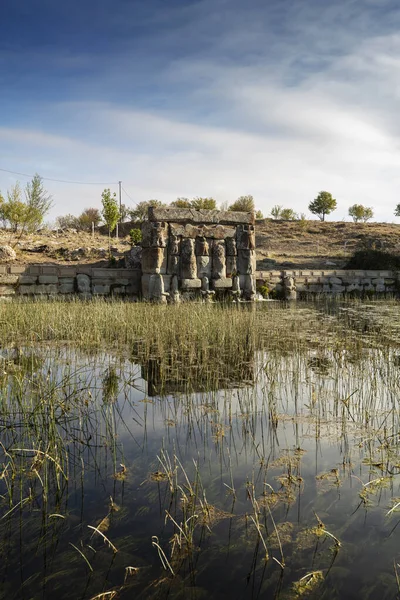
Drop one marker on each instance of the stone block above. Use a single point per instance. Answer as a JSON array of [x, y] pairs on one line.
[[119, 290], [9, 279], [214, 232], [84, 284], [100, 290], [47, 270], [366, 281], [84, 270], [312, 279], [378, 281], [301, 287], [27, 279], [17, 269], [354, 287], [133, 258], [231, 265], [66, 288], [245, 237], [218, 269], [48, 289], [154, 234], [380, 287], [335, 280], [67, 272], [231, 248], [224, 283], [154, 260], [246, 262], [314, 288], [26, 290], [385, 273], [189, 284], [70, 280], [201, 246], [33, 270], [190, 215], [3, 269], [173, 264], [188, 268], [46, 279], [7, 290], [203, 266], [389, 281], [337, 288]]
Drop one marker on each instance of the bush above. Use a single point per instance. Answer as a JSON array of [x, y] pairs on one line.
[[136, 236], [373, 259]]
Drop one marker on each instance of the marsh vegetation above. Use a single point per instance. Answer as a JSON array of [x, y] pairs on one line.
[[199, 451]]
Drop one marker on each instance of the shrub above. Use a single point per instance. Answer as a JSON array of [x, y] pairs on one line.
[[135, 236], [373, 259]]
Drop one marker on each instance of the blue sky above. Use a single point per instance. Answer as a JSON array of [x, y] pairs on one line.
[[279, 99]]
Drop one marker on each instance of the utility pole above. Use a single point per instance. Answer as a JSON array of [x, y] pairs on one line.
[[120, 205]]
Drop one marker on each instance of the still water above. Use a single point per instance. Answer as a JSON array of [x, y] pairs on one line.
[[136, 477]]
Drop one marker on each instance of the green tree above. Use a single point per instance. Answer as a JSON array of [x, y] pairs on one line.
[[203, 203], [181, 203], [110, 210], [67, 222], [259, 214], [244, 204], [139, 213], [276, 211], [397, 211], [87, 217], [323, 205], [288, 214], [15, 210], [358, 212], [38, 201]]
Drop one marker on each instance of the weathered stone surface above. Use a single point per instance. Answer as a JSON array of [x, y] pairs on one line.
[[66, 288], [335, 280], [231, 266], [174, 245], [203, 266], [183, 215], [380, 287], [9, 279], [188, 260], [377, 281], [245, 237], [354, 287], [153, 260], [188, 284], [202, 247], [173, 264], [84, 284], [214, 232], [7, 253], [289, 288], [70, 280], [218, 269], [7, 290], [249, 289], [48, 279], [17, 269], [133, 258], [174, 290], [26, 290], [154, 234], [156, 288], [220, 284], [49, 289], [118, 290], [246, 262], [231, 249], [101, 290], [27, 279]]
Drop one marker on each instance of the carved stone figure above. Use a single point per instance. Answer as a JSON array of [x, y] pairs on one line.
[[289, 288], [231, 249], [174, 291], [218, 259], [188, 259], [245, 237], [246, 262], [249, 291], [174, 244], [202, 248], [231, 266], [152, 260], [154, 234], [156, 289]]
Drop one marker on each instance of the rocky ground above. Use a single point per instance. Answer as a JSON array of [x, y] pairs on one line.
[[280, 244]]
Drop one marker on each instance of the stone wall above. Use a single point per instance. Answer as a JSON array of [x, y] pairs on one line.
[[195, 253], [299, 284], [84, 280]]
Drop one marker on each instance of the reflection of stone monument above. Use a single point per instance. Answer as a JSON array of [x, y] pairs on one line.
[[197, 253]]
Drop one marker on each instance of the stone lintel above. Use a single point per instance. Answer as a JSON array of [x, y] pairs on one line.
[[190, 215]]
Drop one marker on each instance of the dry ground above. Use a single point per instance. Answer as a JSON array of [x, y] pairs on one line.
[[280, 244]]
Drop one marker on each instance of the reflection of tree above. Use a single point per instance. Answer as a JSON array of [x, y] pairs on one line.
[[110, 385]]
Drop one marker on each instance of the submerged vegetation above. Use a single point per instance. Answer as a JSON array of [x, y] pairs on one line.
[[199, 451]]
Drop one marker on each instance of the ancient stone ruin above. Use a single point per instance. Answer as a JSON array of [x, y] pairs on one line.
[[197, 254]]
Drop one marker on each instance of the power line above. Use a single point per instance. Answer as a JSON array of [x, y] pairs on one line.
[[63, 180], [129, 196]]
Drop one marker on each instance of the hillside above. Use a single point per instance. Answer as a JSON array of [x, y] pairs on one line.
[[280, 244]]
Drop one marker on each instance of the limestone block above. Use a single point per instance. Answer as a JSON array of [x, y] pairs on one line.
[[231, 249], [380, 287], [101, 290], [224, 283], [66, 288], [62, 280], [368, 287], [188, 284], [377, 281], [145, 285], [335, 287], [174, 244], [335, 280], [312, 279], [156, 289], [173, 264], [46, 279], [214, 232], [7, 290], [133, 258], [203, 266], [315, 288], [153, 260], [49, 289], [201, 247], [27, 279], [218, 269], [17, 269], [354, 287], [188, 259], [249, 289], [84, 284], [245, 237], [26, 290], [154, 234], [246, 262], [190, 215], [7, 253], [9, 279], [3, 269], [231, 266], [118, 290], [366, 281]]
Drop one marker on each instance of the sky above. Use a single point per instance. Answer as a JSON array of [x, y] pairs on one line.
[[275, 98]]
